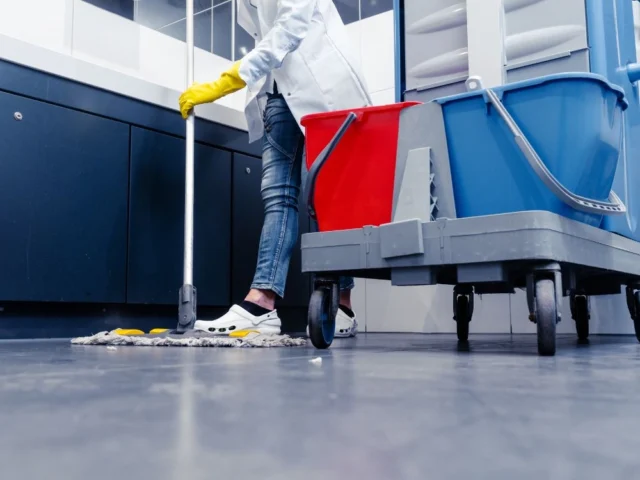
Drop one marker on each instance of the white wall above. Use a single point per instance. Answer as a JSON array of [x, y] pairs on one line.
[[85, 32], [81, 30], [374, 38], [141, 51], [47, 23]]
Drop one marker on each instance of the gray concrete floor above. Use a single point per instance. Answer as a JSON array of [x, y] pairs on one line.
[[379, 407]]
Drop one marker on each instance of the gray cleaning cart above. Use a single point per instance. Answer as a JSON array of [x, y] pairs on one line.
[[501, 220], [547, 254]]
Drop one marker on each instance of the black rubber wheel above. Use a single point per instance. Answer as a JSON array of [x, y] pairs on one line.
[[636, 321], [546, 316], [633, 302], [581, 316], [462, 318], [322, 317]]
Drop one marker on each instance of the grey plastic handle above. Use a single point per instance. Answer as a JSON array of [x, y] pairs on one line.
[[310, 187], [613, 207]]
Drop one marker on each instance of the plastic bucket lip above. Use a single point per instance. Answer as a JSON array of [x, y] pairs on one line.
[[619, 91], [362, 110]]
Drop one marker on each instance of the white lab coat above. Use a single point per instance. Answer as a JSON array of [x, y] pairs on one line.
[[304, 46]]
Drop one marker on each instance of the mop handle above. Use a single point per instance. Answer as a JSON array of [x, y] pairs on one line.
[[189, 157]]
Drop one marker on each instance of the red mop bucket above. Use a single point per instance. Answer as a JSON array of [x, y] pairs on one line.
[[351, 157]]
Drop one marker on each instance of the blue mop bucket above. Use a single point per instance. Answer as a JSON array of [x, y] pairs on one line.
[[551, 143]]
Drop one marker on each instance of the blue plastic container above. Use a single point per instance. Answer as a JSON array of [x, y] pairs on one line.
[[612, 53], [573, 121]]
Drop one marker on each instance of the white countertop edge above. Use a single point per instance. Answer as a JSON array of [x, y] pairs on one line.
[[66, 66]]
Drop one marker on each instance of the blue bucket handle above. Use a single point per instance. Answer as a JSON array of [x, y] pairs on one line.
[[613, 206]]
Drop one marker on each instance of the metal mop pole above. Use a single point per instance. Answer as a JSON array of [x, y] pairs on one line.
[[188, 305]]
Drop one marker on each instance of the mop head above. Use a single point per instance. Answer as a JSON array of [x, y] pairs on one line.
[[192, 339]]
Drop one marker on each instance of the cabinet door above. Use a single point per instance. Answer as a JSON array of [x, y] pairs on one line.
[[248, 214], [63, 204], [156, 220]]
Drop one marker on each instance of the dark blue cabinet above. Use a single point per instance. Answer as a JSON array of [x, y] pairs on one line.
[[63, 204], [247, 225], [156, 220]]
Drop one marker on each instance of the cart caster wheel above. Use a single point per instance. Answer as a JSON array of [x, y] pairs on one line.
[[633, 302], [462, 318], [581, 315], [546, 315], [462, 311], [323, 308]]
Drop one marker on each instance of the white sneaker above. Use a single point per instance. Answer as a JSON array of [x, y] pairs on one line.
[[237, 318], [345, 325]]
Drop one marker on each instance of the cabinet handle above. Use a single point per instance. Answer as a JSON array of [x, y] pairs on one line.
[[17, 116]]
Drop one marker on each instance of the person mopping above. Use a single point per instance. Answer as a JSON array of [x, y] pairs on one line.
[[302, 63]]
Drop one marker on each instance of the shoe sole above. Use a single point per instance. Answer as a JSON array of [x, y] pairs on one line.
[[352, 333], [266, 330]]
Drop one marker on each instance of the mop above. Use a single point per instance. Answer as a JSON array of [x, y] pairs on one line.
[[190, 339], [184, 335]]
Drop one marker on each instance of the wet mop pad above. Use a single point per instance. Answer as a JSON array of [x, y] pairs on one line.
[[192, 339]]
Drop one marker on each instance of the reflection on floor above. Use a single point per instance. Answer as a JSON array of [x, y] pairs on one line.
[[378, 407]]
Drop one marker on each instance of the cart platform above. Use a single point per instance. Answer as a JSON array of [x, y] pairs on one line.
[[475, 247], [549, 255]]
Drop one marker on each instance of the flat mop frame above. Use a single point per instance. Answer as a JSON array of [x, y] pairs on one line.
[[187, 306]]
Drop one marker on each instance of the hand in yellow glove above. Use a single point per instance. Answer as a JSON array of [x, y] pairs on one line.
[[200, 93]]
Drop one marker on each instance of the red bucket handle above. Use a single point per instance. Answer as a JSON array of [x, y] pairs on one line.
[[324, 156]]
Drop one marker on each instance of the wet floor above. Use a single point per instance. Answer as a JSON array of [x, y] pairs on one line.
[[382, 406]]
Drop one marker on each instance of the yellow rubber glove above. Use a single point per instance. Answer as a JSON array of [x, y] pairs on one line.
[[200, 93]]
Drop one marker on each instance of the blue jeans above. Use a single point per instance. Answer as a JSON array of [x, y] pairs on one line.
[[282, 170]]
